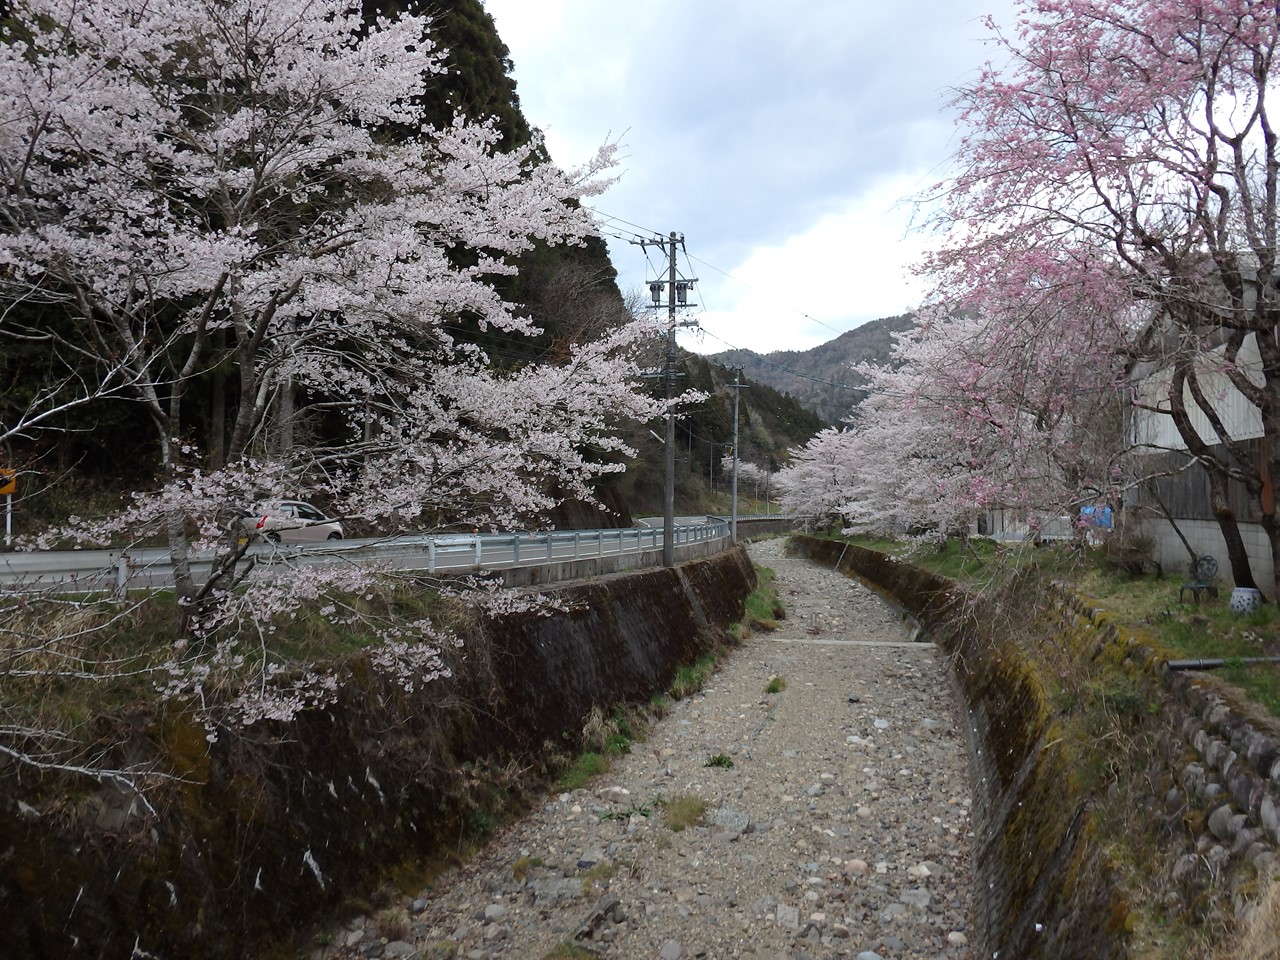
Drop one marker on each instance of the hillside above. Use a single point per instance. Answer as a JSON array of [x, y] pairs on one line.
[[86, 455], [769, 424], [822, 379]]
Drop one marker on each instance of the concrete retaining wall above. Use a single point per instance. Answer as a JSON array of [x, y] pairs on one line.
[[276, 824]]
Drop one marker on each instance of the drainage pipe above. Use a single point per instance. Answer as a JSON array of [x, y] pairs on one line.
[[1214, 662]]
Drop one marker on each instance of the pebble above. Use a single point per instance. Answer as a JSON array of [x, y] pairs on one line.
[[841, 830]]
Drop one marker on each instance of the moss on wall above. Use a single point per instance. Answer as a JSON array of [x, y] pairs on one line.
[[1043, 886], [1123, 809], [288, 820]]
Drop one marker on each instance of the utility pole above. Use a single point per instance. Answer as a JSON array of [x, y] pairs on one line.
[[677, 296], [669, 484], [737, 394]]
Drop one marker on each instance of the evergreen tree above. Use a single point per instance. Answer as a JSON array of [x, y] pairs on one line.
[[478, 84]]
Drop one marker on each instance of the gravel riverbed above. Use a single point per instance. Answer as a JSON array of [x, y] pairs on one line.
[[841, 829]]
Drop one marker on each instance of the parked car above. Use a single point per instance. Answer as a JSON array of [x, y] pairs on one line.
[[289, 521]]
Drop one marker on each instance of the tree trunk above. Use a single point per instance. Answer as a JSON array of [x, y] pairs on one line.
[[218, 405], [1267, 501], [1214, 468], [1237, 556], [286, 411]]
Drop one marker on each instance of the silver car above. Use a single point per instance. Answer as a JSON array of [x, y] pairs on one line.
[[290, 521]]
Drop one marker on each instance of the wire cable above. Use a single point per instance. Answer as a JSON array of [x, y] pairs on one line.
[[646, 232], [726, 273], [657, 236]]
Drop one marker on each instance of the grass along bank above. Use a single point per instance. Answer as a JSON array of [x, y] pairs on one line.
[[1146, 604], [1108, 715]]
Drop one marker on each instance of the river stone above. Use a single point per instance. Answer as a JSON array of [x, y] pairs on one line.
[[916, 897], [729, 820], [549, 891], [1220, 822], [892, 912]]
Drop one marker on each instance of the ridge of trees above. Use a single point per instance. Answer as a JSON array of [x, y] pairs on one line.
[[770, 425], [820, 378]]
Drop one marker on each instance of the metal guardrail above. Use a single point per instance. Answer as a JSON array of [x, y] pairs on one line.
[[117, 572]]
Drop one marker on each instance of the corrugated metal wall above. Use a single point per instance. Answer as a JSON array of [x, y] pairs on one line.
[[1238, 415], [1185, 492]]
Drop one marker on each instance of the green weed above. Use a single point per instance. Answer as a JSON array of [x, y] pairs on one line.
[[587, 765], [690, 679], [643, 809], [683, 811], [520, 869], [763, 608], [569, 951], [600, 873]]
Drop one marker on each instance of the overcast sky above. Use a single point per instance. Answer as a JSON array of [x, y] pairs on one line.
[[783, 141]]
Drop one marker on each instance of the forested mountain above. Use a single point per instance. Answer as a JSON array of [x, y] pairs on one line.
[[109, 443], [769, 424], [822, 379], [89, 454]]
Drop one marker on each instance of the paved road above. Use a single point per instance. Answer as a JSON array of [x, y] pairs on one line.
[[148, 568]]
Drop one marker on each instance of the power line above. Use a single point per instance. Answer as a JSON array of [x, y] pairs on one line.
[[644, 231], [725, 273], [795, 310]]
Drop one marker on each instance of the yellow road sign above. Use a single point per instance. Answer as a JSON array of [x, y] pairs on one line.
[[8, 481]]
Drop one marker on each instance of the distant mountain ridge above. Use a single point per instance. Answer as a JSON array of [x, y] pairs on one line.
[[822, 379]]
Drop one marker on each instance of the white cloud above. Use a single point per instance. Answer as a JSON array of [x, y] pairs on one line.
[[778, 141], [850, 266]]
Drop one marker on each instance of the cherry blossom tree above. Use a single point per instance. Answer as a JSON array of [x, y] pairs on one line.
[[208, 184], [748, 473], [250, 189], [1122, 156], [816, 481], [967, 417]]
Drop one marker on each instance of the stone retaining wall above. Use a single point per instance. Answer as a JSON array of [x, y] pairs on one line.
[[1044, 888], [1214, 767], [271, 828], [1222, 778]]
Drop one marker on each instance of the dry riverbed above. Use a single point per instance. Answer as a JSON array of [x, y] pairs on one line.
[[835, 816]]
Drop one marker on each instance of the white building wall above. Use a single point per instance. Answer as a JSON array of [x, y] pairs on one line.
[[1242, 421], [1238, 415], [1205, 537]]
